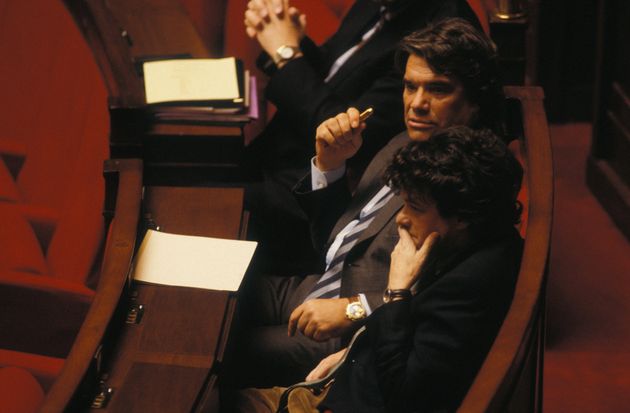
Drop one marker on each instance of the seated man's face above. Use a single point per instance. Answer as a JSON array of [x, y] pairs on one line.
[[432, 100], [421, 218]]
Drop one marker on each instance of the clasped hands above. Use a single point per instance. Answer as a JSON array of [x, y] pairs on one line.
[[274, 23]]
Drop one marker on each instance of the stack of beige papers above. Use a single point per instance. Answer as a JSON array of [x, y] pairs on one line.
[[218, 84], [190, 261]]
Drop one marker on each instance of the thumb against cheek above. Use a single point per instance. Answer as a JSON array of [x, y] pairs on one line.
[[429, 243]]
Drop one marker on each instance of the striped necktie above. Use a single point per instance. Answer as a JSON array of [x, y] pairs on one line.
[[329, 285]]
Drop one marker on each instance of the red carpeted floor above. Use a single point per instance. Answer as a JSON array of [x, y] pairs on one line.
[[587, 360]]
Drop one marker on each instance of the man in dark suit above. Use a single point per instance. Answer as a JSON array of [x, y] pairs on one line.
[[308, 84], [451, 280], [356, 233]]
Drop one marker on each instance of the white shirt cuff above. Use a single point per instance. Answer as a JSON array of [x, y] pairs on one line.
[[321, 179], [365, 304]]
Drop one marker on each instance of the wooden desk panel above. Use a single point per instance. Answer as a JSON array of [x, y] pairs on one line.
[[164, 362], [209, 212], [168, 361]]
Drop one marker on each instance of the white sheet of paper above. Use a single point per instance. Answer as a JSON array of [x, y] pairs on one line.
[[190, 80], [189, 261]]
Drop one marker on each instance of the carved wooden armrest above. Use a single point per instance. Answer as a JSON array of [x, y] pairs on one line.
[[124, 182]]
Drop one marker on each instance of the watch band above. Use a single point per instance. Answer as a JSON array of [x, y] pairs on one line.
[[391, 295], [286, 53]]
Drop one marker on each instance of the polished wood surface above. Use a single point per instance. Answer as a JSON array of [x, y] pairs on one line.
[[511, 377], [167, 361], [164, 363], [210, 212]]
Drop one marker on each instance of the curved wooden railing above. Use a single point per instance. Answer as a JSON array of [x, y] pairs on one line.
[[510, 379], [126, 176]]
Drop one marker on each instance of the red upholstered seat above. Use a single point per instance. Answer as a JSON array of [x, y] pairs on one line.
[[44, 369], [20, 249], [62, 130], [8, 189], [69, 237], [79, 232], [19, 391], [52, 229]]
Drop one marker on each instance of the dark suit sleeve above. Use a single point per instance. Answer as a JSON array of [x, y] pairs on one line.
[[428, 350], [323, 207]]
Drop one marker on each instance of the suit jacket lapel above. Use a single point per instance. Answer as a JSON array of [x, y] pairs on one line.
[[356, 23], [383, 40], [383, 217], [369, 185], [386, 39], [358, 202]]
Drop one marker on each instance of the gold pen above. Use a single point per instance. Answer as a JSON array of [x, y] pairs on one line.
[[366, 114]]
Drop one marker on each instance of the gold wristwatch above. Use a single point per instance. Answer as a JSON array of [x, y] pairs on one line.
[[285, 53], [355, 310]]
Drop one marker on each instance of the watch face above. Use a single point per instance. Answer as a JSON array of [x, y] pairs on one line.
[[355, 311], [286, 52]]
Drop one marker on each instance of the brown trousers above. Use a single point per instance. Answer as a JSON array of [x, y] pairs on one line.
[[266, 400]]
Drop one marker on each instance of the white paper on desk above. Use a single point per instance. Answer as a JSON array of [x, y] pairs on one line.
[[189, 261]]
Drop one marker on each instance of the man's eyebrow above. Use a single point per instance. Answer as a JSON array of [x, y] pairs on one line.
[[441, 81], [415, 203]]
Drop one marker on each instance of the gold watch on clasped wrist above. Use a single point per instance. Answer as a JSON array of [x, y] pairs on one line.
[[285, 53], [355, 310]]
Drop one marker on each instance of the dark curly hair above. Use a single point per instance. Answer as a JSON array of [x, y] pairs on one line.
[[455, 48], [469, 174]]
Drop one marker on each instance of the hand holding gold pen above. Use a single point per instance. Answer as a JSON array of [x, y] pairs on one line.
[[339, 138]]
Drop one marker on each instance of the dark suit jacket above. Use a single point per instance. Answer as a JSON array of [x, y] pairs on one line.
[[421, 355], [270, 301], [368, 78], [332, 208]]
